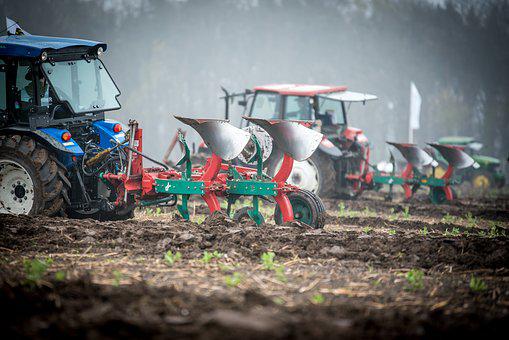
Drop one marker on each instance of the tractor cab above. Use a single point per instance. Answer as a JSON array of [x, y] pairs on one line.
[[53, 81], [340, 165]]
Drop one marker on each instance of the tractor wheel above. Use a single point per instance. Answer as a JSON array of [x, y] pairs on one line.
[[482, 180], [242, 216], [307, 208], [315, 174], [32, 181]]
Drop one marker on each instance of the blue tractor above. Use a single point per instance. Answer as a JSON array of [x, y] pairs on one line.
[[54, 138]]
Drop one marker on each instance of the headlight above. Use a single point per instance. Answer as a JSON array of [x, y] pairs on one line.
[[476, 165], [44, 56], [100, 51]]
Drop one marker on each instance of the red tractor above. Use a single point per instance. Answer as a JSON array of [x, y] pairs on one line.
[[340, 166]]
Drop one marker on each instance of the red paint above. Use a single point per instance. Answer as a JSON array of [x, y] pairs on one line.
[[353, 134], [285, 206], [300, 89], [285, 170]]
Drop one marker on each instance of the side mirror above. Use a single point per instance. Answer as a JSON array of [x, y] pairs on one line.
[[242, 103], [249, 91]]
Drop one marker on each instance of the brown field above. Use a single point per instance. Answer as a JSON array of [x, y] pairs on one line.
[[377, 270]]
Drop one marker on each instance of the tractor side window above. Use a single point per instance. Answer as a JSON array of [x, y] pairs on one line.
[[266, 106], [330, 111], [3, 86], [298, 107], [25, 90]]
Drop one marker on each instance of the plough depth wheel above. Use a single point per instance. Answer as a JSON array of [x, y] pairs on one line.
[[307, 208]]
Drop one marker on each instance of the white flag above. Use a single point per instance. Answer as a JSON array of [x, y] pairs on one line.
[[415, 106], [13, 27]]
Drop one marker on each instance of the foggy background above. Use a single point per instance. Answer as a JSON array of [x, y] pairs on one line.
[[170, 57]]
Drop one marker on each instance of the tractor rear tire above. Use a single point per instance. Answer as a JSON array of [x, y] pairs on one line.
[[32, 181], [307, 208], [482, 180], [315, 174]]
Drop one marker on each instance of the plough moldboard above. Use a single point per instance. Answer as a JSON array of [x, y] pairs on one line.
[[219, 178], [420, 171]]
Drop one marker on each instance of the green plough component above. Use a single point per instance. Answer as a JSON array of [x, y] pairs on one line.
[[258, 187], [183, 187]]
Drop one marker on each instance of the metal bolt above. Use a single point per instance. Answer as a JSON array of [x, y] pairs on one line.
[[12, 192], [24, 185], [18, 182], [15, 198], [14, 185], [26, 198], [20, 200]]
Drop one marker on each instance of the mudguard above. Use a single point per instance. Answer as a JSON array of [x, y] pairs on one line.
[[330, 149], [105, 130], [50, 136]]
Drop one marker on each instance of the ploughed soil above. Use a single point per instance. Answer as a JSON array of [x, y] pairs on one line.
[[377, 270]]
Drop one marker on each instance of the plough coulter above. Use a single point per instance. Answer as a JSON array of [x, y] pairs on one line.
[[218, 178], [420, 171]]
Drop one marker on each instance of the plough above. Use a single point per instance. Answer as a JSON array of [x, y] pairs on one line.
[[218, 178], [415, 175]]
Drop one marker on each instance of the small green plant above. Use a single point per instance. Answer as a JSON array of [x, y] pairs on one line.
[[268, 260], [477, 285], [117, 276], [481, 233], [60, 275], [454, 232], [318, 299], [280, 273], [376, 282], [208, 256], [233, 280], [392, 232], [35, 270], [341, 207], [278, 300], [171, 258], [414, 279], [424, 231], [471, 220], [448, 219], [406, 212], [495, 230], [367, 230], [392, 216]]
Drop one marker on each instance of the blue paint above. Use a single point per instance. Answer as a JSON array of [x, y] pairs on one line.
[[105, 130], [32, 46]]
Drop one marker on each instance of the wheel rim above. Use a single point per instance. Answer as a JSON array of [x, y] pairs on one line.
[[302, 211], [17, 188], [481, 182], [305, 175]]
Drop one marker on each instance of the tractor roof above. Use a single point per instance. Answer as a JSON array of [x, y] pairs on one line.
[[31, 46], [456, 140], [300, 89]]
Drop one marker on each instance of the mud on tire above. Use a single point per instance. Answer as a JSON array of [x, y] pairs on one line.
[[41, 170], [326, 174]]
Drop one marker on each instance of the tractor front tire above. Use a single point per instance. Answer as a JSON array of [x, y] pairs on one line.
[[315, 174], [32, 181]]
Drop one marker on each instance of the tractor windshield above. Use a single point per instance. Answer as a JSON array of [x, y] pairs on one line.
[[266, 105], [85, 85]]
